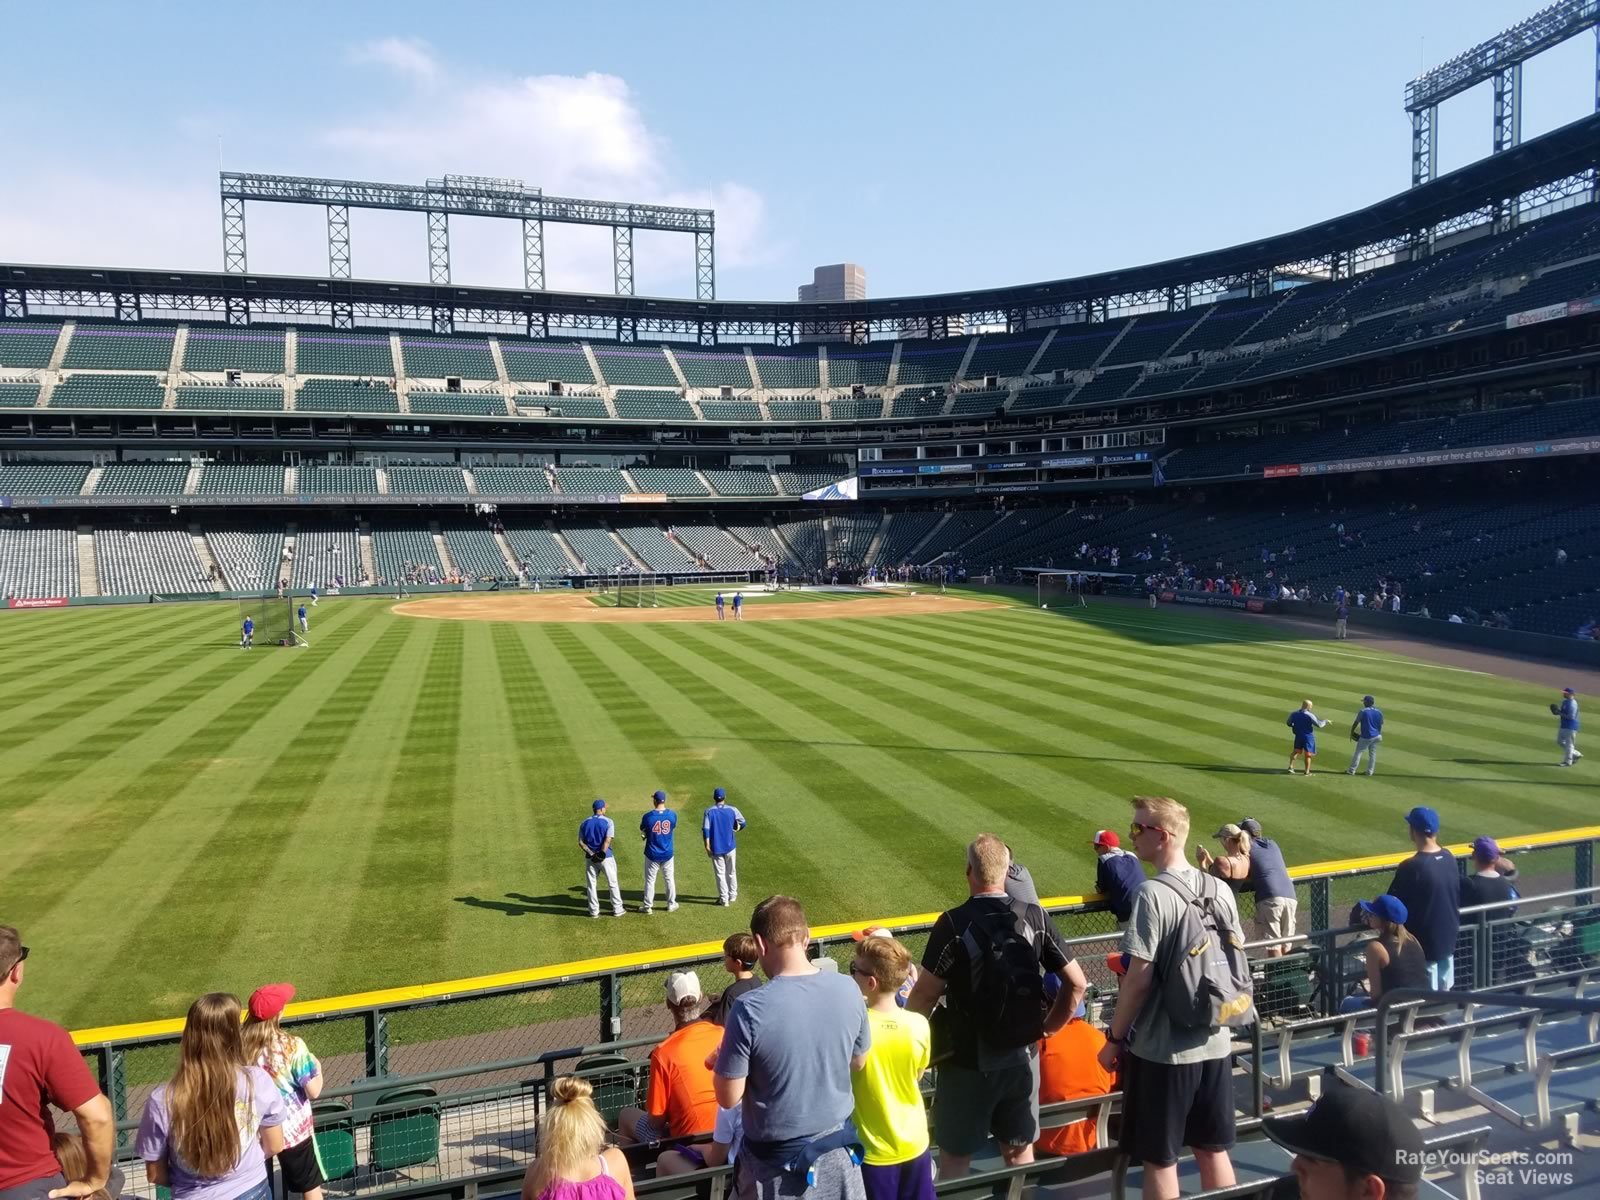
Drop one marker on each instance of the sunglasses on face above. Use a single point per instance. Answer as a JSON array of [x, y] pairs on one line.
[[1135, 829], [859, 971]]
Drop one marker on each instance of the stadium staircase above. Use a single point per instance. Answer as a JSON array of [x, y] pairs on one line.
[[822, 367], [91, 481], [369, 560], [383, 481], [750, 365], [471, 481], [291, 481], [893, 375], [88, 568], [59, 352], [1112, 344], [191, 481], [448, 562], [202, 551], [291, 346], [627, 552], [566, 548], [506, 551], [594, 367], [683, 381], [501, 374], [700, 475], [966, 360], [873, 546]]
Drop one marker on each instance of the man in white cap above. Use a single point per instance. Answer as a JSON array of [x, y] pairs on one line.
[[682, 1097]]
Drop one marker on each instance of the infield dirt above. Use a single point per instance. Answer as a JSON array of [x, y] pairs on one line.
[[577, 608]]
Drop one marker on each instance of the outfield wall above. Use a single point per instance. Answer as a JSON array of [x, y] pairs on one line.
[[553, 1012], [1436, 629]]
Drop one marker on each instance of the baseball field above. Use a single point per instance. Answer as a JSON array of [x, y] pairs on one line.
[[398, 803]]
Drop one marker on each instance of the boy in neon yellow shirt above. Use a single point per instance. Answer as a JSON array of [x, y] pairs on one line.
[[890, 1118]]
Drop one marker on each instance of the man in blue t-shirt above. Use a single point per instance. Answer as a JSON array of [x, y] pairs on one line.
[[1341, 619], [1566, 713], [1429, 885], [594, 837], [247, 633], [738, 606], [305, 625], [1305, 724], [719, 830], [1367, 729], [656, 827], [722, 612]]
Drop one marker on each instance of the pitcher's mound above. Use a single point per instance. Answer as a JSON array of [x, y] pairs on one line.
[[578, 608]]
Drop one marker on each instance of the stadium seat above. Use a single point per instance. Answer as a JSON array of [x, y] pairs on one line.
[[795, 371], [427, 481], [405, 1133], [108, 391], [672, 481], [465, 404], [591, 480], [703, 370], [733, 412], [336, 1139], [795, 409], [230, 399], [847, 369], [120, 347], [38, 561], [659, 552], [438, 358], [741, 482], [222, 349], [638, 366], [406, 553], [527, 361], [23, 344], [328, 353], [345, 396], [512, 481], [19, 395], [640, 405]]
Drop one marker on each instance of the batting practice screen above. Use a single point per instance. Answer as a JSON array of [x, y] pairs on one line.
[[274, 618]]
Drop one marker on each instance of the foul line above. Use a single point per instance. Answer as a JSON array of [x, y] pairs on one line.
[[1299, 649]]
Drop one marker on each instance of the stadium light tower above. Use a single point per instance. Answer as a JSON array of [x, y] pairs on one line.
[[1497, 61], [466, 195]]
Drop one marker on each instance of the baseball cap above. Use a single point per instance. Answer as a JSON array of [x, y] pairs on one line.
[[861, 935], [718, 794], [598, 805], [1228, 832], [268, 1001], [1485, 849], [1251, 826], [1368, 700], [1423, 820], [683, 985], [1390, 908], [1568, 692], [659, 797], [1108, 839], [1357, 1128]]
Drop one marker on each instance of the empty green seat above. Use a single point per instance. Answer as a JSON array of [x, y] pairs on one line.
[[641, 366], [19, 395], [531, 361], [108, 391], [637, 404], [794, 409], [336, 1139], [25, 345], [229, 399], [438, 358], [856, 408], [345, 395], [342, 354], [467, 404], [408, 1135], [255, 350], [798, 370], [714, 370], [120, 347], [742, 412]]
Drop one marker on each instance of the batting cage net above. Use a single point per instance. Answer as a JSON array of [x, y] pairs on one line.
[[636, 591], [274, 617], [1060, 589]]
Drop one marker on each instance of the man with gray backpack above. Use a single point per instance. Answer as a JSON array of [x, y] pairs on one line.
[[1186, 990]]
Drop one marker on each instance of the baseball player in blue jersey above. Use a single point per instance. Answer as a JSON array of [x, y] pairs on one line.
[[656, 827], [721, 611], [1305, 724], [594, 837], [305, 625], [247, 633], [1367, 730], [738, 606], [1567, 730], [720, 830], [313, 595]]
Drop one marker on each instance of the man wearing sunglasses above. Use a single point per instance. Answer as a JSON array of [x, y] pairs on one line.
[[39, 1066], [1177, 1082]]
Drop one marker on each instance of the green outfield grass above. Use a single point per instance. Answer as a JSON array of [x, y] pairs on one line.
[[399, 802], [688, 597]]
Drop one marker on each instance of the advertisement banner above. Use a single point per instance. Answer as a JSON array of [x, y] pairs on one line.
[[1282, 471], [1255, 604], [37, 602], [946, 468], [1445, 458], [643, 497], [1532, 316]]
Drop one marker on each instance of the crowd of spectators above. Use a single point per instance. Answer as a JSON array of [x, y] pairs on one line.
[[807, 1080]]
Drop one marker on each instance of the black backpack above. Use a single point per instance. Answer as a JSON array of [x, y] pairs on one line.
[[1002, 995]]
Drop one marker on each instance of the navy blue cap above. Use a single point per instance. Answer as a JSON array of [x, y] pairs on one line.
[[1368, 701], [1423, 820], [1359, 1129], [598, 805], [1390, 908], [660, 797], [719, 794]]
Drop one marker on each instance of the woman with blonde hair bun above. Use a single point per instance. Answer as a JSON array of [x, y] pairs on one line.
[[572, 1160]]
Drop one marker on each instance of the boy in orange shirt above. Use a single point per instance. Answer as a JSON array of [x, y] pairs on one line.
[[1069, 1069]]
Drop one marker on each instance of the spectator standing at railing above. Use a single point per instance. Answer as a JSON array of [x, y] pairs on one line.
[[1256, 863], [1428, 884], [889, 1114], [41, 1068], [739, 960], [297, 1074], [1117, 875], [1490, 881]]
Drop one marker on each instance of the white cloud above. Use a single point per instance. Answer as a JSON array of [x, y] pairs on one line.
[[575, 135], [408, 56]]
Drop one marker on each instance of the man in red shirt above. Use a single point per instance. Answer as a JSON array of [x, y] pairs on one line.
[[40, 1067]]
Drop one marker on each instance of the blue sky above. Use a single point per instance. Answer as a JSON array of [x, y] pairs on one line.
[[943, 146]]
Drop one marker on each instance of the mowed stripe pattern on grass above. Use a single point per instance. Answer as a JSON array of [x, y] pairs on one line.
[[399, 802]]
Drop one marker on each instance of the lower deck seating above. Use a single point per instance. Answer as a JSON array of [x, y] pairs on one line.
[[536, 549], [143, 560], [326, 553], [745, 482], [717, 550], [475, 552], [37, 561], [406, 554], [659, 552], [241, 479], [597, 551], [251, 559], [43, 479], [807, 541]]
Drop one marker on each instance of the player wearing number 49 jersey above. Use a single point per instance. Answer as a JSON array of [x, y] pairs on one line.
[[657, 827], [720, 829]]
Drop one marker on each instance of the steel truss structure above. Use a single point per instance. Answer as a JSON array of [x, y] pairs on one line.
[[1497, 61], [1536, 177], [471, 196]]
